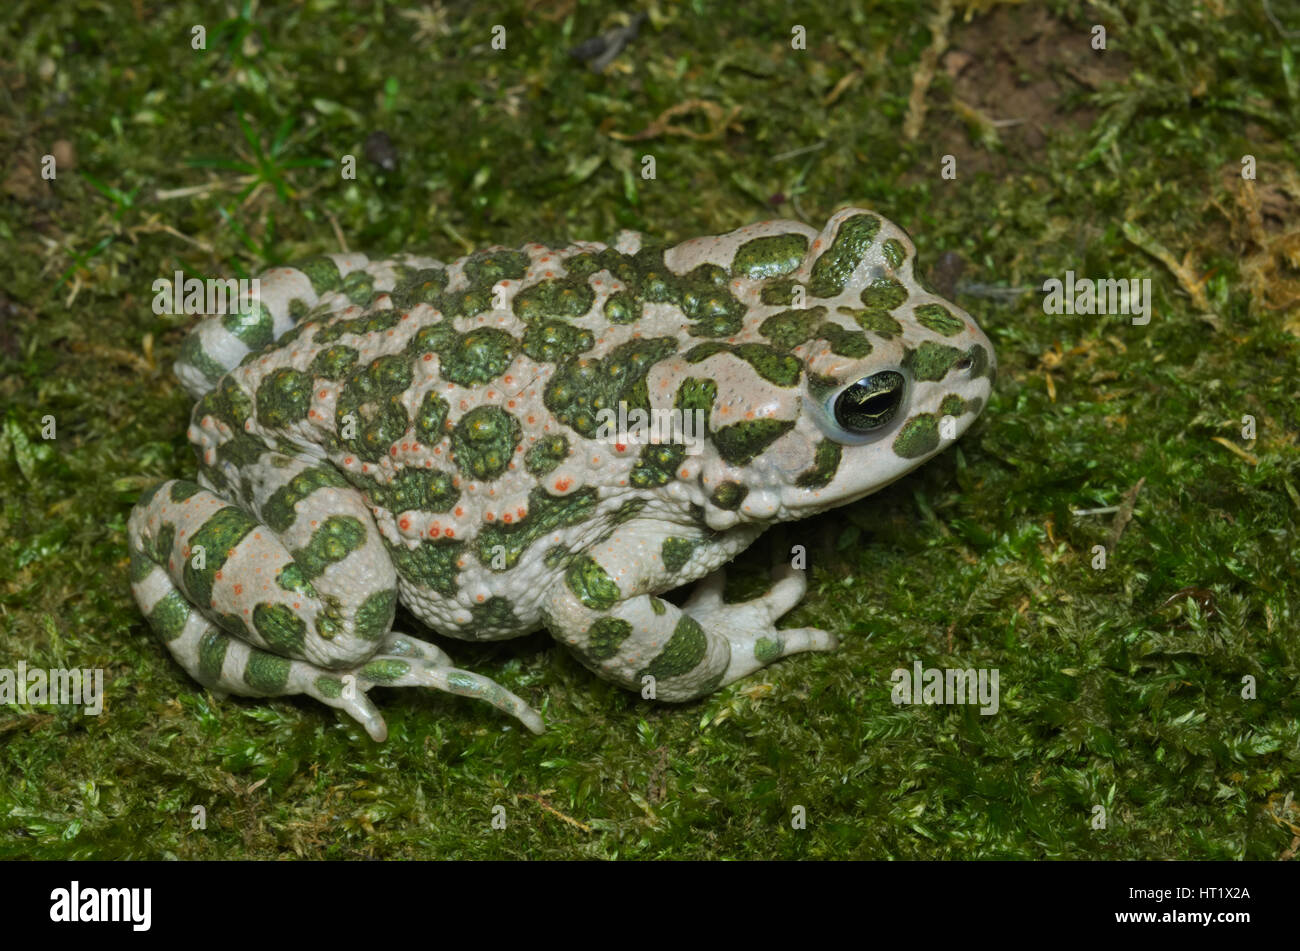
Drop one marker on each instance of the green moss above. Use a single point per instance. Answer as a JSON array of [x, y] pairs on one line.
[[1110, 695]]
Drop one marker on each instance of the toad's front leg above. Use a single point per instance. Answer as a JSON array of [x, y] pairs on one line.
[[620, 630]]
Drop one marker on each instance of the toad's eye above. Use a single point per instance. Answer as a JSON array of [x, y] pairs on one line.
[[871, 403]]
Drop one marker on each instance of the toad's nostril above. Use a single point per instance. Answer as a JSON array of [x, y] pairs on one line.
[[965, 363]]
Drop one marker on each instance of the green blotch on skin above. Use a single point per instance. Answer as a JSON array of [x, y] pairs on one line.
[[940, 319], [422, 287], [330, 687], [627, 511], [546, 513], [895, 253], [931, 361], [283, 397], [656, 465], [658, 607], [479, 356], [266, 673], [329, 620], [591, 585], [234, 624], [141, 566], [494, 614], [290, 578], [227, 402], [773, 256], [433, 338], [683, 652], [252, 325], [385, 671], [279, 512], [557, 556], [918, 437], [844, 343], [192, 353], [218, 536], [981, 365], [164, 543], [334, 363], [778, 293], [483, 442], [790, 328], [770, 363], [877, 321], [739, 443], [430, 564], [375, 615], [467, 686], [767, 649], [555, 340], [323, 274], [212, 655], [169, 615], [558, 297], [372, 397], [431, 419], [952, 405], [334, 539], [605, 636], [547, 453], [148, 495], [486, 268], [676, 552], [359, 287], [183, 489], [467, 303], [826, 462], [728, 495], [974, 405], [282, 629], [884, 293], [705, 299], [836, 264], [424, 490], [581, 387], [622, 308], [370, 323]]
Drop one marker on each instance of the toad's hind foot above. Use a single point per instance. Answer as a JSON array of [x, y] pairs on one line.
[[389, 670]]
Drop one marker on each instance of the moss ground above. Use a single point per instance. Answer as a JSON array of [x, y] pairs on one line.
[[1121, 687]]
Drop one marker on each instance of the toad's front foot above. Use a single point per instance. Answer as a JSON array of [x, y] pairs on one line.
[[750, 626]]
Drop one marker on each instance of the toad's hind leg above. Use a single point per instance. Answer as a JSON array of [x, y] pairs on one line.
[[300, 601]]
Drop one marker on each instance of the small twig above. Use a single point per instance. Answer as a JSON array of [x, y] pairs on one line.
[[803, 151], [1272, 17], [1104, 510], [555, 812], [1125, 513], [1250, 457]]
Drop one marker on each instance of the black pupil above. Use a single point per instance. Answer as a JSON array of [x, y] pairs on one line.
[[870, 403]]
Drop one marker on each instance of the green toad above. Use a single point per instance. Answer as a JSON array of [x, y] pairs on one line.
[[539, 437]]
